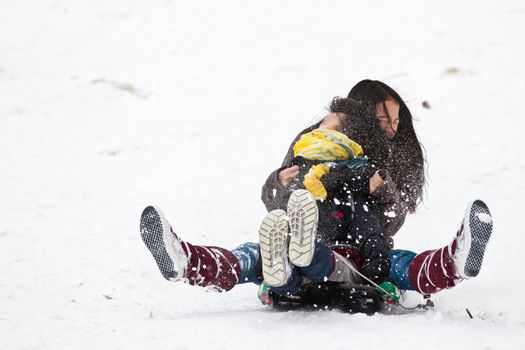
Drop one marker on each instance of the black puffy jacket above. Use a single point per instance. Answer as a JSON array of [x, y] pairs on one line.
[[349, 218]]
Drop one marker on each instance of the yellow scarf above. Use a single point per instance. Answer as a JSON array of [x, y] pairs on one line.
[[325, 144]]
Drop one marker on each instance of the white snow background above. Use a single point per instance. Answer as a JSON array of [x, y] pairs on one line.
[[108, 106]]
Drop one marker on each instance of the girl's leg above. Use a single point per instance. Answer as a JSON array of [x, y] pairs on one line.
[[437, 269], [248, 256], [400, 261], [434, 270], [427, 272], [206, 266]]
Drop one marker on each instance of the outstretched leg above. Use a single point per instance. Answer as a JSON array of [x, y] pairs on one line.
[[437, 269], [290, 251], [207, 266]]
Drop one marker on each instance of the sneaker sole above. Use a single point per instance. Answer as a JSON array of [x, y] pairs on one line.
[[304, 216], [156, 233], [478, 229], [273, 242]]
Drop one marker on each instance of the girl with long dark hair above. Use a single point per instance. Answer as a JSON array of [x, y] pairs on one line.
[[398, 188]]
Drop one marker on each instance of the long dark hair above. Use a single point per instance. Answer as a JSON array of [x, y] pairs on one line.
[[402, 155]]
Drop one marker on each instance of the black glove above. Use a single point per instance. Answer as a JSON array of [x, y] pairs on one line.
[[349, 180]]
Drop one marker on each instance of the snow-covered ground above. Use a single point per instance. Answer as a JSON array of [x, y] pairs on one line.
[[108, 106]]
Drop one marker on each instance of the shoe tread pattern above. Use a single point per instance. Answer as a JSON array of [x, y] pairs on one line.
[[151, 231], [273, 240], [303, 214], [480, 222]]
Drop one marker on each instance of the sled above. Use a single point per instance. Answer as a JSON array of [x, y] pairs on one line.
[[347, 297]]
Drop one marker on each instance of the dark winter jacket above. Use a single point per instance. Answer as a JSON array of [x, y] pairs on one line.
[[391, 212], [348, 218]]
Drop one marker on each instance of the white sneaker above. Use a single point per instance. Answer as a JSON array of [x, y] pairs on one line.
[[273, 242], [304, 216], [472, 240], [163, 243]]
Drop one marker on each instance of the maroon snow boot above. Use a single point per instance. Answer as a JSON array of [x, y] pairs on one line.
[[434, 270], [211, 267]]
